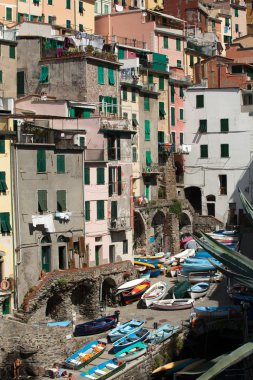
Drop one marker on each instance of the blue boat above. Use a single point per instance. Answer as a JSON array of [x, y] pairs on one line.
[[203, 255], [218, 311], [239, 297], [96, 326], [155, 272], [104, 370], [162, 333], [130, 339], [151, 263], [133, 352], [126, 328], [199, 265], [86, 354]]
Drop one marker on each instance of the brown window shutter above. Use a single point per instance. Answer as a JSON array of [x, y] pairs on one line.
[[70, 243], [81, 246]]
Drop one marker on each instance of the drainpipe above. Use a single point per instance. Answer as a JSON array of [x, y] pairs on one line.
[[12, 221]]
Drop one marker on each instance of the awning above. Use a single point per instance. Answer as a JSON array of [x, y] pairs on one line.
[[91, 106]]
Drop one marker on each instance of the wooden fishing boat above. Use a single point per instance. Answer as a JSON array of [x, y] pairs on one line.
[[96, 326], [155, 272], [231, 311], [130, 339], [86, 354], [135, 293], [133, 352], [130, 284], [195, 277], [173, 304], [201, 266], [104, 370], [156, 256], [199, 290], [155, 293], [162, 333], [173, 367], [182, 255], [125, 329], [146, 274]]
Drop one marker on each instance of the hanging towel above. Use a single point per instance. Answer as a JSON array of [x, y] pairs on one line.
[[46, 220]]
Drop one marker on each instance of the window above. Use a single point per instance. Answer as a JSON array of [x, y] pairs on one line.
[[81, 28], [191, 60], [172, 116], [146, 103], [50, 2], [50, 19], [41, 161], [199, 101], [12, 52], [121, 53], [203, 151], [236, 12], [124, 94], [134, 154], [224, 150], [42, 200], [2, 144], [181, 138], [100, 176], [61, 200], [1, 76], [87, 211], [106, 8], [20, 82], [101, 78], [162, 112], [68, 4], [5, 222], [226, 21], [133, 96], [125, 115], [224, 126], [113, 148], [31, 18], [115, 180], [223, 184], [181, 91], [147, 130], [203, 126], [111, 79], [237, 28], [148, 158], [86, 115], [172, 93], [125, 247], [173, 137], [160, 137], [87, 176], [100, 210], [68, 24], [181, 114], [60, 163], [81, 7], [114, 211], [134, 120], [161, 83], [150, 79], [165, 42], [44, 74], [179, 63], [178, 44], [8, 14], [3, 186]]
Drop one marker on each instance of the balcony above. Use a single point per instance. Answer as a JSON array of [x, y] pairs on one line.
[[119, 224], [120, 125], [95, 155], [174, 77], [150, 87], [151, 169]]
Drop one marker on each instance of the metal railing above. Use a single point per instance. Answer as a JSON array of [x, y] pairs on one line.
[[119, 224]]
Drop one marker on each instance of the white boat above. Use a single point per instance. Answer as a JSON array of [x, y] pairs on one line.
[[199, 290], [196, 277], [173, 304], [182, 255], [139, 268], [131, 284], [155, 293]]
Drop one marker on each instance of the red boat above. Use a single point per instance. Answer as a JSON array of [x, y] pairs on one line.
[[135, 293]]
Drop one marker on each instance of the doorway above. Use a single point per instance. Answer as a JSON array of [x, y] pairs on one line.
[[111, 253], [98, 249], [45, 258], [62, 257], [6, 306]]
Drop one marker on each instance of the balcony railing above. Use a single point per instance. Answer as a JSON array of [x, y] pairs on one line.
[[94, 155], [118, 125], [119, 224], [151, 169]]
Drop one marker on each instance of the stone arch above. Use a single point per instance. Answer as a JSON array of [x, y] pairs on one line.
[[157, 224], [55, 308], [61, 239], [46, 240], [82, 297], [139, 231], [210, 198], [193, 194], [185, 222], [108, 291], [158, 219]]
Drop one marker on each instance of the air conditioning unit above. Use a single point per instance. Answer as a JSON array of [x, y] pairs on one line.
[[79, 140]]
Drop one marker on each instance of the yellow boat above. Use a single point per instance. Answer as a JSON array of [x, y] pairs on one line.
[[153, 257], [173, 367], [143, 263]]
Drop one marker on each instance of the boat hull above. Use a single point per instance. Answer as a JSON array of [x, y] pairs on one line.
[[155, 293], [130, 339], [174, 304], [199, 290], [101, 370], [86, 354], [95, 327], [126, 328], [128, 354], [218, 311]]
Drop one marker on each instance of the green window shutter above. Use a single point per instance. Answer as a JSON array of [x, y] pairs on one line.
[[87, 176], [147, 130], [237, 28], [181, 114], [101, 78], [1, 76], [178, 44], [125, 247], [81, 28], [111, 79], [160, 137], [227, 22], [41, 161], [80, 7], [31, 18], [181, 138], [68, 4], [125, 115], [161, 83], [224, 149], [2, 144], [146, 103], [134, 121], [121, 53], [44, 74], [148, 158], [50, 2], [173, 137], [39, 18], [203, 126], [68, 24], [181, 91], [3, 186], [42, 200], [162, 112], [118, 149], [115, 107], [86, 113], [133, 96], [150, 79], [60, 163], [114, 210], [172, 93], [134, 154], [87, 211], [199, 101], [236, 12], [72, 112], [61, 200], [5, 222], [8, 14], [172, 116], [20, 83], [179, 63], [224, 125], [119, 181], [12, 52], [165, 42], [100, 210], [124, 94], [191, 60], [19, 17], [159, 61], [100, 176], [101, 103], [203, 151], [50, 19], [82, 141], [110, 187]]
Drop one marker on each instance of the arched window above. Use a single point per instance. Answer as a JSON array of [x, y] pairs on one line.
[[210, 198], [61, 239]]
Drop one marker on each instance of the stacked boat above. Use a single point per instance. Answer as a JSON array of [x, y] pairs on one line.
[[152, 264], [133, 290]]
